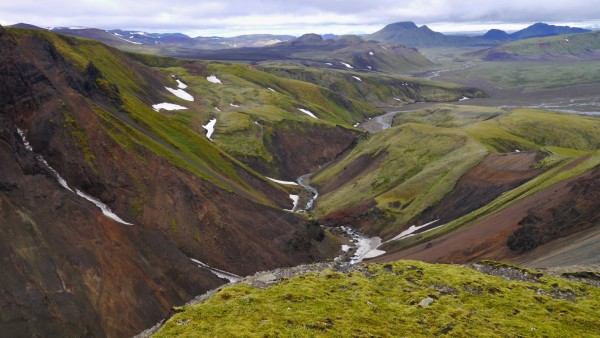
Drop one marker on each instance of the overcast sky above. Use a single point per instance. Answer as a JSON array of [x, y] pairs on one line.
[[235, 17]]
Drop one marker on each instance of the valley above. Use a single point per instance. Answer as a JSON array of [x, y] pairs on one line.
[[132, 182]]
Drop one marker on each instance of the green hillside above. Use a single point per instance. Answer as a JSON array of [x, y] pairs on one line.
[[384, 300], [561, 47], [401, 172]]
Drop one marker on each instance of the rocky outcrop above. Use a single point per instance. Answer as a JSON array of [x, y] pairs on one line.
[[302, 149]]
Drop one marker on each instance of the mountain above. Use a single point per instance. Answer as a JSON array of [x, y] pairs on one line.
[[580, 46], [25, 25], [496, 34], [541, 29], [409, 34], [407, 298], [348, 52], [119, 169], [448, 175], [77, 113]]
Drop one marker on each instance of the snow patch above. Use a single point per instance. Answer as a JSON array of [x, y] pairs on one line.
[[463, 98], [132, 42], [347, 65], [409, 231], [271, 89], [167, 106], [232, 278], [210, 128], [357, 78], [329, 63], [180, 93], [213, 79], [105, 209], [180, 84], [217, 109], [517, 151], [307, 112], [345, 248], [234, 105], [281, 182], [397, 99], [371, 53], [567, 40], [295, 199], [369, 67]]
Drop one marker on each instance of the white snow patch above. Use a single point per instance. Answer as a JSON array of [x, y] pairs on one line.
[[357, 78], [346, 64], [370, 53], [517, 151], [397, 99], [369, 67], [345, 248], [167, 106], [307, 112], [217, 109], [409, 231], [294, 199], [382, 47], [232, 278], [180, 84], [463, 98], [105, 209], [132, 42], [567, 40], [213, 79], [210, 128], [282, 182], [271, 89], [180, 93], [22, 134], [117, 34], [329, 63], [355, 125], [234, 105]]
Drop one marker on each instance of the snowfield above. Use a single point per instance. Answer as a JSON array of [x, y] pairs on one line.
[[210, 128], [281, 182], [180, 84], [213, 79], [357, 78], [167, 106], [180, 93], [347, 65], [307, 112]]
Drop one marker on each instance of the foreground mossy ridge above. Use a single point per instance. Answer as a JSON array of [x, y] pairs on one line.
[[383, 300]]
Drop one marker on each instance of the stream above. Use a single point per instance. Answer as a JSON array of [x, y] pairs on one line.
[[361, 246]]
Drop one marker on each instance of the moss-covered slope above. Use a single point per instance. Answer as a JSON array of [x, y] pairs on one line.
[[389, 300]]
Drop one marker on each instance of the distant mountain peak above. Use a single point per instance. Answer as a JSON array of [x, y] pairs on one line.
[[309, 38], [402, 25]]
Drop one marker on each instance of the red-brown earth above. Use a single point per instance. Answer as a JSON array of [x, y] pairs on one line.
[[72, 271]]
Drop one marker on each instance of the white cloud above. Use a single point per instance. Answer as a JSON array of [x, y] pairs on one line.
[[235, 17]]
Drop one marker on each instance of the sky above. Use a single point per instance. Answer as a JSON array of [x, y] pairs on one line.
[[296, 17]]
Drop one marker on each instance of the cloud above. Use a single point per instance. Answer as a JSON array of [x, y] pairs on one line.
[[188, 15]]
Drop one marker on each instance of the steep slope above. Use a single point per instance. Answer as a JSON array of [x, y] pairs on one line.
[[86, 110], [570, 47], [406, 298], [444, 168], [409, 34]]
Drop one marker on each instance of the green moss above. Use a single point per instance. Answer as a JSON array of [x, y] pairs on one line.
[[76, 132], [383, 301]]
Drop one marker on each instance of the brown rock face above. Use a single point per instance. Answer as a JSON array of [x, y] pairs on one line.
[[68, 270]]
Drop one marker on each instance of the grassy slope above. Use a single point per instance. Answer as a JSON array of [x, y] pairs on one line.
[[568, 45], [429, 150], [383, 301]]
